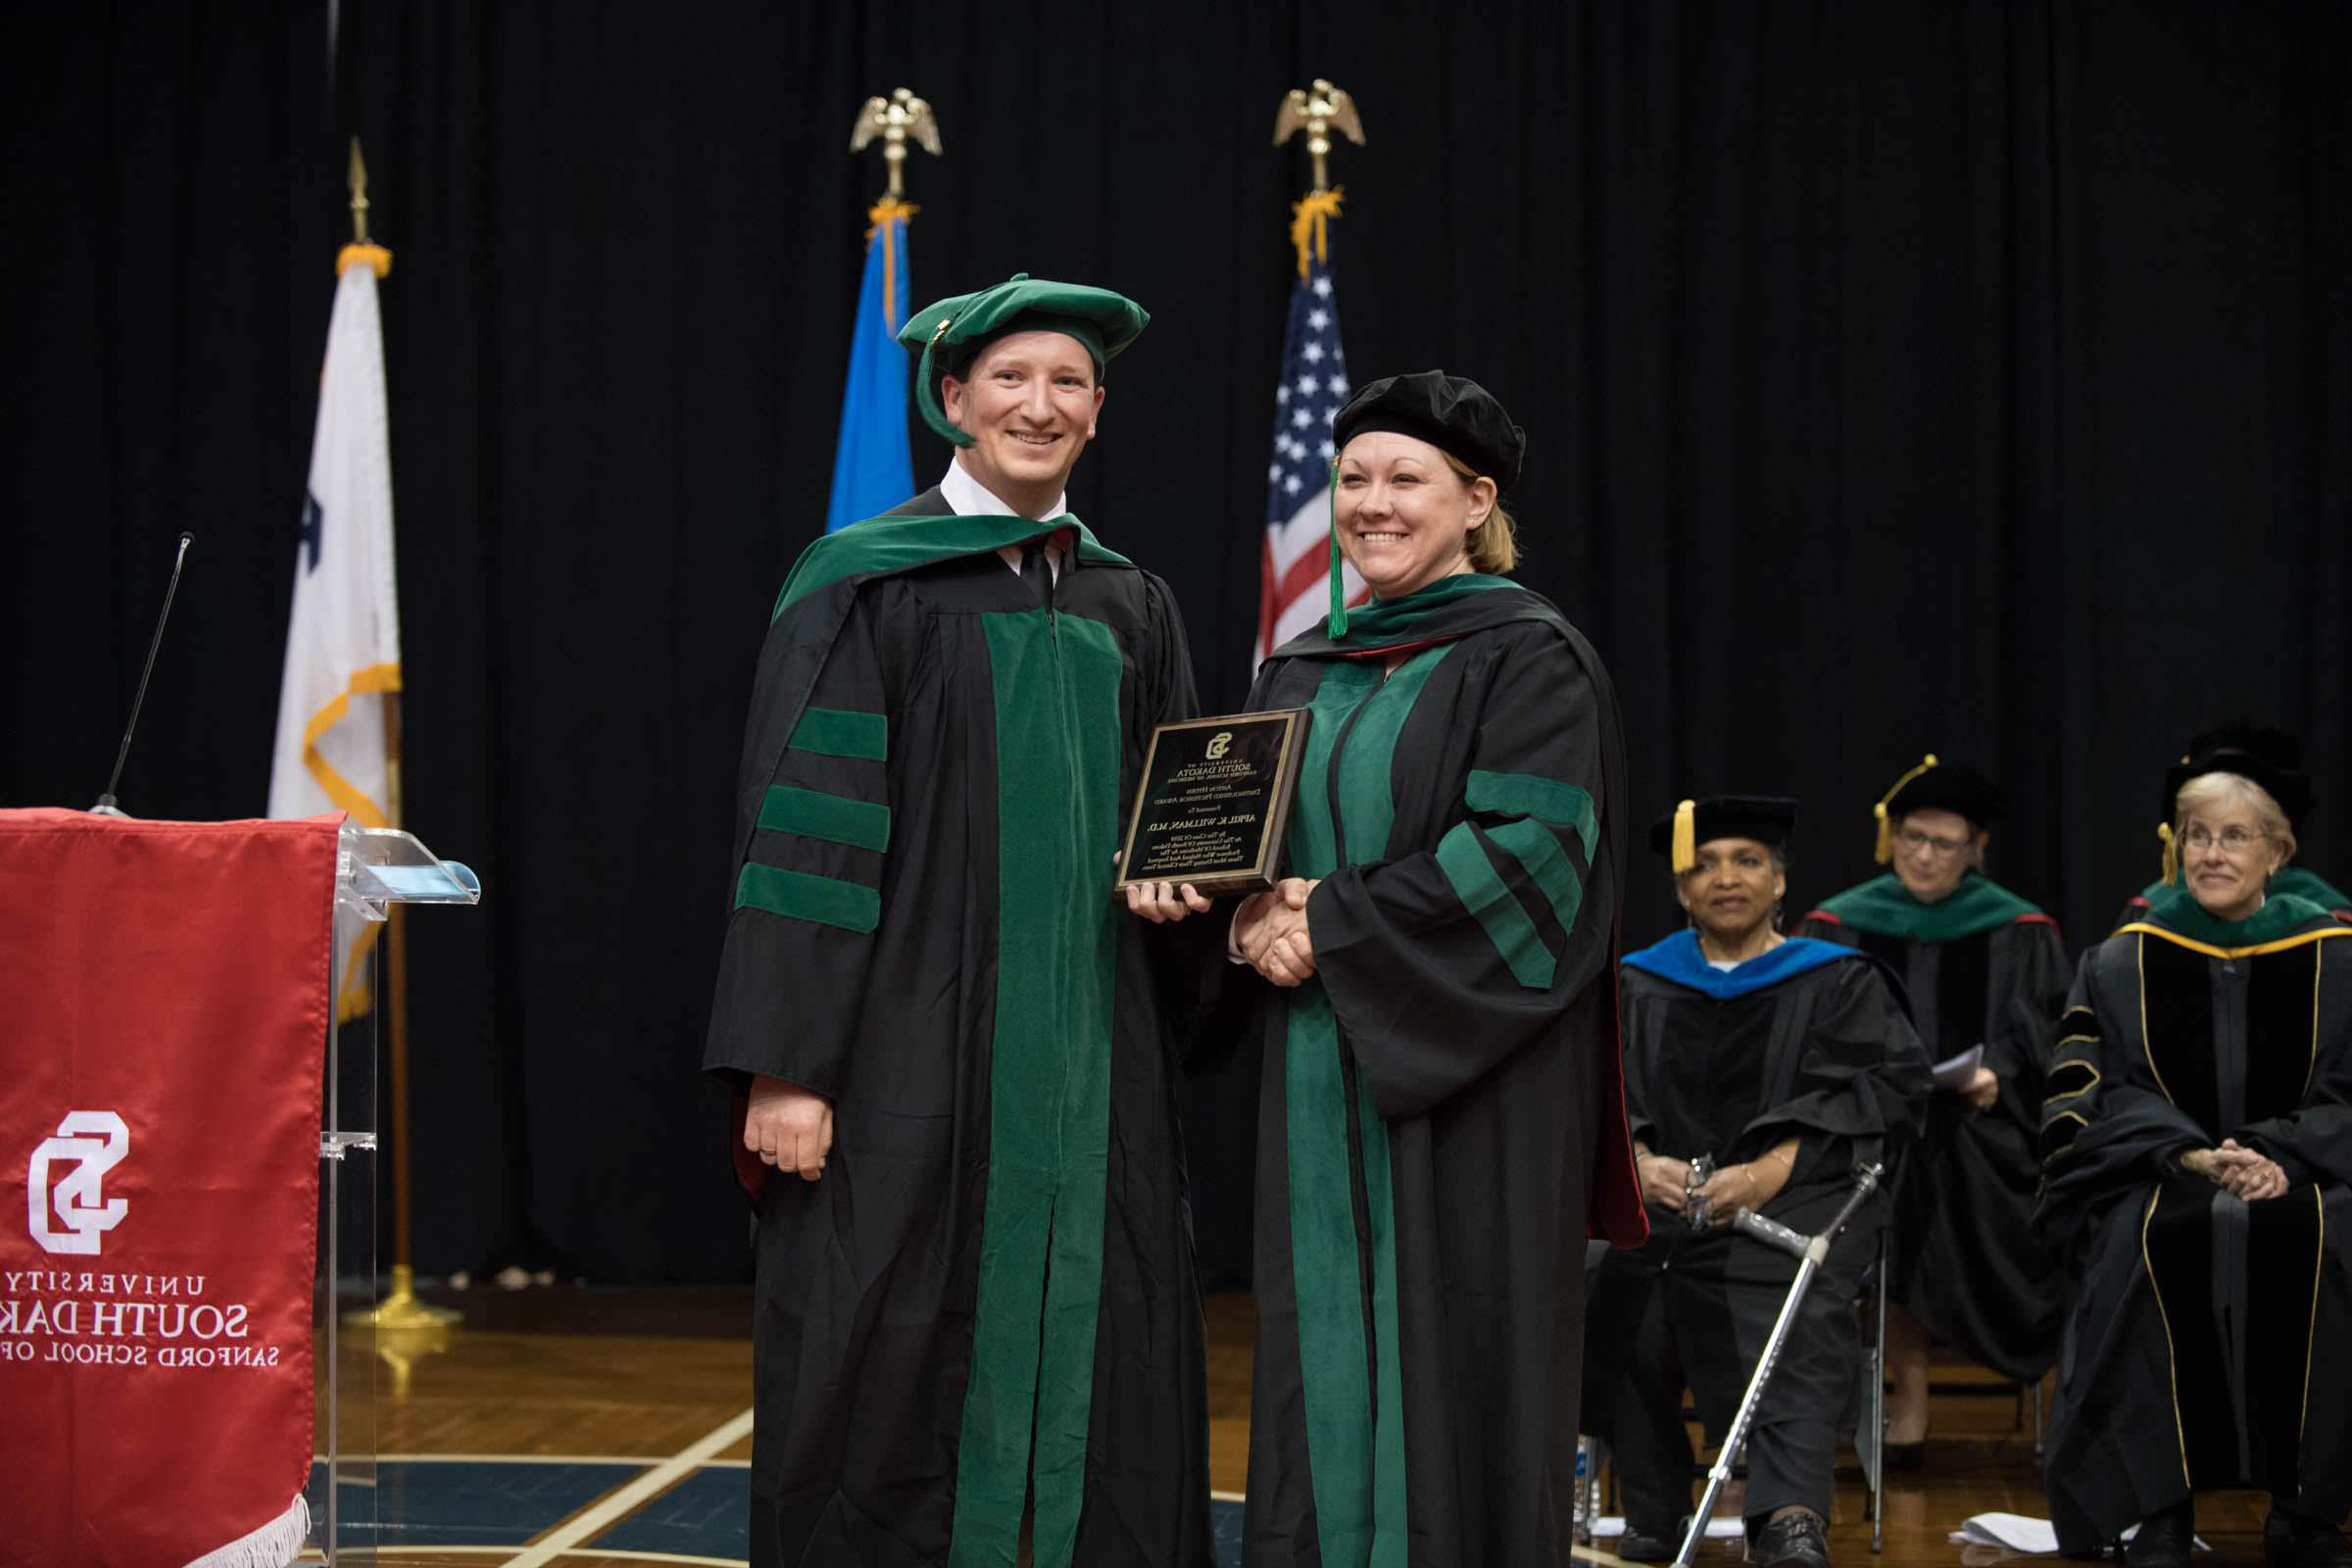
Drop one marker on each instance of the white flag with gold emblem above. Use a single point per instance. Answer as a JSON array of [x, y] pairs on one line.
[[343, 642]]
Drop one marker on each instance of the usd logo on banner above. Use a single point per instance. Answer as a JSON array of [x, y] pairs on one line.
[[85, 1214]]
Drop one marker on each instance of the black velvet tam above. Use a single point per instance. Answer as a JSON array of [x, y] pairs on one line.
[[1767, 818], [1947, 787], [1449, 412], [2271, 758]]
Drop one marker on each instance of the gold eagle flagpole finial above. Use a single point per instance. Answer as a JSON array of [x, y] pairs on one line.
[[1318, 111], [895, 119]]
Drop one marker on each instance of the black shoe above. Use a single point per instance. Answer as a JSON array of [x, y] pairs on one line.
[[2163, 1537], [2297, 1540], [1650, 1543], [1798, 1538]]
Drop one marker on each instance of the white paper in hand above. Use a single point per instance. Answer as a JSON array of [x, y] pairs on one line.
[[1955, 1072]]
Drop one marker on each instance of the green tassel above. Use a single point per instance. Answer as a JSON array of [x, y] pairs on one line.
[[1336, 622]]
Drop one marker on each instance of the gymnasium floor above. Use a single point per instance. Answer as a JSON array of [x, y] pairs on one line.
[[588, 1428]]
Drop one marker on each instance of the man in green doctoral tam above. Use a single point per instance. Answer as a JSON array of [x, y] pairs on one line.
[[978, 1325]]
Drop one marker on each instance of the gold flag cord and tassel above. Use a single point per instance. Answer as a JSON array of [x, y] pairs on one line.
[[880, 220], [1310, 224]]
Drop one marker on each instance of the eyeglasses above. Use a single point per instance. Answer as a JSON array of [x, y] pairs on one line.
[[2235, 841], [1912, 838]]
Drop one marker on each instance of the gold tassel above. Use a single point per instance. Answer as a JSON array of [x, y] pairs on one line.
[[1310, 224], [1683, 854], [1884, 850], [2171, 853], [889, 209]]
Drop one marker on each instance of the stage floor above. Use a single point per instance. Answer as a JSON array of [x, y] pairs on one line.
[[589, 1427]]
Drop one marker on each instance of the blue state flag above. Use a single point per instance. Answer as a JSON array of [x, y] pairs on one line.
[[872, 470]]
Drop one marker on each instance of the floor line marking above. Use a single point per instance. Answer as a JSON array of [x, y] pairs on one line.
[[416, 1550], [661, 1557], [618, 1502], [635, 1460]]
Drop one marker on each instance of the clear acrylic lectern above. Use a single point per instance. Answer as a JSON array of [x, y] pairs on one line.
[[375, 868]]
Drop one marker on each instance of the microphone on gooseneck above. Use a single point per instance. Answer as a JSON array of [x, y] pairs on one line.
[[106, 806]]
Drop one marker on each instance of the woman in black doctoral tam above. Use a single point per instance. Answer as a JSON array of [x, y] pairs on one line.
[[2242, 743], [2197, 1174], [1983, 967], [1441, 1110], [1758, 1070]]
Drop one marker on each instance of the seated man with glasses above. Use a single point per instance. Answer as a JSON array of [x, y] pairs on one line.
[[2197, 1175], [1985, 969]]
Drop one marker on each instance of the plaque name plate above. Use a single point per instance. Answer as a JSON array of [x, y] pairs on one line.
[[1214, 802]]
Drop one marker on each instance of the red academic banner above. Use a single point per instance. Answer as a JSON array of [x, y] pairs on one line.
[[163, 1007]]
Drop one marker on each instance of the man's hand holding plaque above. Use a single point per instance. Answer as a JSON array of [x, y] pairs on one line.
[[1162, 901]]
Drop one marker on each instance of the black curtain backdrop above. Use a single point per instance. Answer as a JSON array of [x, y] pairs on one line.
[[1958, 377]]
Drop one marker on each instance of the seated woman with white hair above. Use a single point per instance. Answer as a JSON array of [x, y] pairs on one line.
[[2219, 748], [2198, 1171]]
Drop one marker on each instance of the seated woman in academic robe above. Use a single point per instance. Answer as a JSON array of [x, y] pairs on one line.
[[1987, 973], [2197, 1175], [1758, 1069], [2219, 747]]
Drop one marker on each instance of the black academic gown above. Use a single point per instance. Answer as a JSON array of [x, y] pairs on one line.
[[1441, 1105], [1963, 1258], [996, 1268], [2203, 1347], [1809, 1041]]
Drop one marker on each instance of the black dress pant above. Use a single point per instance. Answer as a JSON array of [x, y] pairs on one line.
[[1694, 1311]]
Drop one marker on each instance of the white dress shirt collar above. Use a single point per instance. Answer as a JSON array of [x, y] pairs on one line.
[[968, 496]]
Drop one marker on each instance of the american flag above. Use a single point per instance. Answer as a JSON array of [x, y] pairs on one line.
[[1314, 384]]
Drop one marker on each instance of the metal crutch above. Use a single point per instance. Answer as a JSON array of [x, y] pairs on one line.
[[1810, 1252]]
